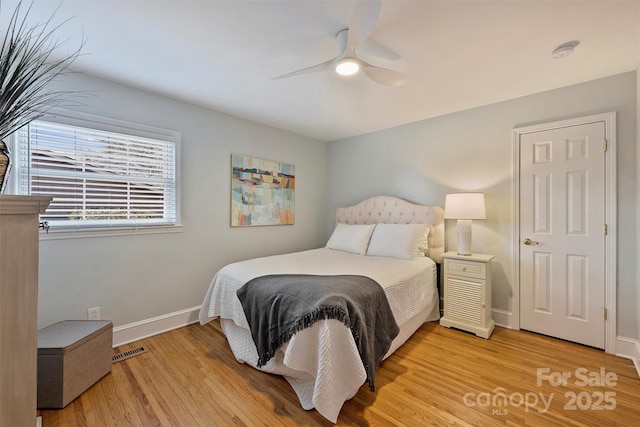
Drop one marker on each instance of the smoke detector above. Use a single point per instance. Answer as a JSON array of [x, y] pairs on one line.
[[565, 49]]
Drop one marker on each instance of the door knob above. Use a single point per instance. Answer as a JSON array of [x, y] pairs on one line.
[[529, 242]]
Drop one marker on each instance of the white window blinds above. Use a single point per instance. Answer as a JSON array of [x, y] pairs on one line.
[[97, 178]]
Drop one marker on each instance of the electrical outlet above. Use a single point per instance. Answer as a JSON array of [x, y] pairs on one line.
[[93, 313]]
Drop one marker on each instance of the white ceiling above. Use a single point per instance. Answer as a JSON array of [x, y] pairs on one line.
[[223, 54]]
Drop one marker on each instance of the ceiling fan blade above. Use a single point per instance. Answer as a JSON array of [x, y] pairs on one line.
[[363, 20], [374, 48], [384, 76], [328, 65]]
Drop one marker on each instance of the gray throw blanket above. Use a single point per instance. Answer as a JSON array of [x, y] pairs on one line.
[[277, 306]]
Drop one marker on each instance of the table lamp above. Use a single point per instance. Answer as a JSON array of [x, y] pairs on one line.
[[464, 207]]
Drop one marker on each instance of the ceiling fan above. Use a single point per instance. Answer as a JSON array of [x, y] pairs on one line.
[[358, 38]]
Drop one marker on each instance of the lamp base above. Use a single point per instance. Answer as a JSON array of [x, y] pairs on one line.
[[464, 237]]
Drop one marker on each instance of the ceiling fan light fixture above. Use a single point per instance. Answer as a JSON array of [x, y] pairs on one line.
[[358, 34], [347, 66]]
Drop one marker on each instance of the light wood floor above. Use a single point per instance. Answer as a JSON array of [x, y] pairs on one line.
[[439, 377]]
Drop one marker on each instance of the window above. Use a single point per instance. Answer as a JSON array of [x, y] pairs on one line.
[[102, 174]]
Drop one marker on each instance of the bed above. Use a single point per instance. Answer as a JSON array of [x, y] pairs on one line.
[[322, 362]]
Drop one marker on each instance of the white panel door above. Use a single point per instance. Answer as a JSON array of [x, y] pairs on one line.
[[562, 233]]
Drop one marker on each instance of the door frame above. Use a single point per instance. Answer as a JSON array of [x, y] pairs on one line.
[[610, 207]]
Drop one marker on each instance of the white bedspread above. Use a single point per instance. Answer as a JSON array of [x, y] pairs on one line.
[[322, 363]]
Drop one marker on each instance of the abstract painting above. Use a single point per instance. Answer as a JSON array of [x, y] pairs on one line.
[[263, 192]]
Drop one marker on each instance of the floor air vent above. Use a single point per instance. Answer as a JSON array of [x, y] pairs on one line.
[[128, 354]]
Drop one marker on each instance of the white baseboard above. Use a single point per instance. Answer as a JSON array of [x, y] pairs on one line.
[[501, 318], [156, 325], [629, 348]]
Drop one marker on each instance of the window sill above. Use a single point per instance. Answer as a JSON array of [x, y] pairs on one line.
[[84, 233]]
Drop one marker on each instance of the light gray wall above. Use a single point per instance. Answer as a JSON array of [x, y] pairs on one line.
[[473, 151], [138, 277]]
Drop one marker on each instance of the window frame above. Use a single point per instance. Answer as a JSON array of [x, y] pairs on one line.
[[74, 118]]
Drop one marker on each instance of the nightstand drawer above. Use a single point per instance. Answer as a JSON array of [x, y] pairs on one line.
[[473, 269]]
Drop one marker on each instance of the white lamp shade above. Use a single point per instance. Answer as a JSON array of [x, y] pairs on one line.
[[465, 206]]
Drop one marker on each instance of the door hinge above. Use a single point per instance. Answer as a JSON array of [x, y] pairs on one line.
[[604, 145], [605, 313], [605, 229]]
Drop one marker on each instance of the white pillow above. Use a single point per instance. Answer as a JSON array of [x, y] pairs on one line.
[[351, 238], [397, 240], [423, 245]]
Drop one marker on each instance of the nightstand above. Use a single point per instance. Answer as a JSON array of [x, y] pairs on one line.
[[467, 293]]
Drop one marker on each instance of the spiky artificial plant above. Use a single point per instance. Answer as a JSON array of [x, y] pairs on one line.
[[28, 65]]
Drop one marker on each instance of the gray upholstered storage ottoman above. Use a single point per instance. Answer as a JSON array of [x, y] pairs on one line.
[[72, 356]]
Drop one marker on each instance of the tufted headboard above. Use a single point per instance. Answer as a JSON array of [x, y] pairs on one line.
[[391, 210]]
